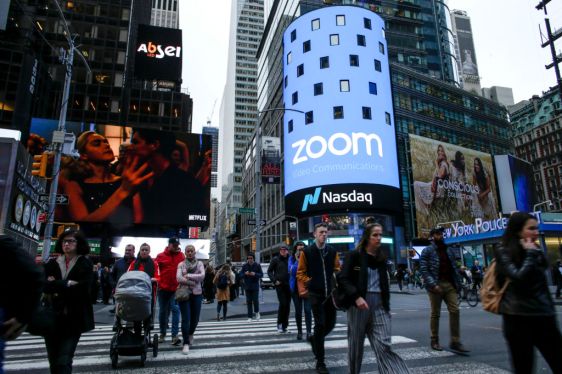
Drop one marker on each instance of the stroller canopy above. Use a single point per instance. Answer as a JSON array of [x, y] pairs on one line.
[[133, 295]]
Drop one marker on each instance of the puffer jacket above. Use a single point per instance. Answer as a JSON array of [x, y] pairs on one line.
[[194, 279], [168, 262], [429, 267], [528, 293]]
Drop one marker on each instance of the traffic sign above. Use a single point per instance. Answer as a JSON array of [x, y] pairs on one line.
[[246, 211], [62, 199], [252, 222], [44, 198]]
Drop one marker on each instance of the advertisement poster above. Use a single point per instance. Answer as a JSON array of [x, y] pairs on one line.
[[271, 160], [152, 177], [452, 184], [158, 53]]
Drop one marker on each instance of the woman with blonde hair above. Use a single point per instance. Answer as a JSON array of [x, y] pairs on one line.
[[95, 193], [223, 280]]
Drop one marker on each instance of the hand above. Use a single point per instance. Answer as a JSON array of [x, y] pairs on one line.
[[252, 273], [134, 175], [12, 329], [277, 283], [436, 290], [361, 304], [50, 278], [72, 283], [528, 244], [247, 273]]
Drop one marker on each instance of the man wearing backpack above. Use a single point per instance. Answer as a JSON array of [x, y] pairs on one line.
[[278, 272], [439, 271]]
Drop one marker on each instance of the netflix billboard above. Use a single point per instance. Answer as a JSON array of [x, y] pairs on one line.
[[158, 53]]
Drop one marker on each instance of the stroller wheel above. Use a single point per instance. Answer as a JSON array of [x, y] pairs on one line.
[[114, 360], [155, 345], [143, 358]]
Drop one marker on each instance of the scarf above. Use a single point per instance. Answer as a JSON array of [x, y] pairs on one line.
[[64, 269], [191, 265], [148, 265]]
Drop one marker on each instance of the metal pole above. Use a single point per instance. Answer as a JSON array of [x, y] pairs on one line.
[[69, 58], [257, 203]]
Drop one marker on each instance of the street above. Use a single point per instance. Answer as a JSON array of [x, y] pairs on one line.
[[237, 346]]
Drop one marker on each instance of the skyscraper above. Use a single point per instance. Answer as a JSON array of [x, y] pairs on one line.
[[466, 53], [165, 13], [239, 103]]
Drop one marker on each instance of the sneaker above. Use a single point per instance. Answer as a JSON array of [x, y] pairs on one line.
[[185, 349], [161, 338], [321, 368], [457, 346], [257, 316], [176, 340], [435, 345], [190, 340], [250, 319], [280, 329]]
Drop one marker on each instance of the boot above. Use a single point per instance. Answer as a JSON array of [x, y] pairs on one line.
[[435, 345], [218, 317]]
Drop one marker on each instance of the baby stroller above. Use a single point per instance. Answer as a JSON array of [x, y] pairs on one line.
[[133, 312]]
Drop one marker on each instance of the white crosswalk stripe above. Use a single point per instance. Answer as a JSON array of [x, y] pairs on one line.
[[232, 346]]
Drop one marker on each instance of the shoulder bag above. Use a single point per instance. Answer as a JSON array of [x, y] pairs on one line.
[[491, 293]]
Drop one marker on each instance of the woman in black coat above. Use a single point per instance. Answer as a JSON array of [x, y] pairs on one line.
[[69, 279], [364, 279], [529, 317]]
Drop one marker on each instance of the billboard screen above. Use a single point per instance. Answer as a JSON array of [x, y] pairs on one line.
[[516, 187], [468, 56], [339, 134], [158, 53], [452, 184], [271, 160], [152, 178]]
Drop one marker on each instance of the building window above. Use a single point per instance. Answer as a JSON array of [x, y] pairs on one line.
[[381, 48], [344, 85], [340, 20], [324, 62], [334, 39], [372, 88], [366, 112], [289, 57], [378, 65], [367, 23], [308, 117], [387, 118], [286, 80], [293, 35], [318, 89], [361, 40], [300, 70], [291, 125], [306, 46], [295, 97], [353, 60], [338, 112], [315, 24]]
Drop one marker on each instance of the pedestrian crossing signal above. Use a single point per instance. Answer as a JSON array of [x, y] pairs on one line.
[[39, 166]]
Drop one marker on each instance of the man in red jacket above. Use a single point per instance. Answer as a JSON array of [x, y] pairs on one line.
[[168, 263]]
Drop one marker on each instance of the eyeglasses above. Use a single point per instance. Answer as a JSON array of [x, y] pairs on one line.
[[69, 241]]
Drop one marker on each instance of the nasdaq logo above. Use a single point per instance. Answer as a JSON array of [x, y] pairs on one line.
[[311, 199]]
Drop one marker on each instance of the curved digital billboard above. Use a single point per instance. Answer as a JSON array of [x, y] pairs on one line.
[[339, 134]]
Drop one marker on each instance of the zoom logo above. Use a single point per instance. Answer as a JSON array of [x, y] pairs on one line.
[[339, 144], [311, 199]]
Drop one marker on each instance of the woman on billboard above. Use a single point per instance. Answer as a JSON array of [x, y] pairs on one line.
[[431, 196], [458, 174], [95, 193], [484, 204]]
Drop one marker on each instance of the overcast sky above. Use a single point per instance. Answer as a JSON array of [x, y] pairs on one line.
[[506, 37]]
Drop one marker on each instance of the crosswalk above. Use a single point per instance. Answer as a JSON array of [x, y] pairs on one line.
[[233, 346]]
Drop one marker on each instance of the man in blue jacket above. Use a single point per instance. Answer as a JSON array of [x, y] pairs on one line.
[[252, 272], [441, 278]]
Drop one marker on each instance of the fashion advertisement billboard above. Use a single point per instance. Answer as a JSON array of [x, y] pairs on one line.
[[152, 178], [452, 184], [339, 135], [158, 53]]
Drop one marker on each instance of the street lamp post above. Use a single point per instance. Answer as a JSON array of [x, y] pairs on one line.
[[549, 202]]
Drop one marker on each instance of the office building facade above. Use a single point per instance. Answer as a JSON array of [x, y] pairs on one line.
[[165, 13], [500, 95]]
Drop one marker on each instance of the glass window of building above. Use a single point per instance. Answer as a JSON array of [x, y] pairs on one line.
[[300, 70], [289, 58], [361, 40], [340, 20], [366, 112], [338, 112], [381, 48], [378, 66], [334, 39], [290, 125], [308, 117], [318, 89], [324, 62], [387, 118], [315, 24], [295, 97], [293, 35], [353, 60], [306, 46], [372, 88], [367, 23], [286, 80], [344, 85]]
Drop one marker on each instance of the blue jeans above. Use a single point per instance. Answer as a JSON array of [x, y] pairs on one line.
[[252, 298], [190, 311], [167, 303], [299, 303]]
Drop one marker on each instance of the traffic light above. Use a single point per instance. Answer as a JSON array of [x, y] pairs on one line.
[[39, 166]]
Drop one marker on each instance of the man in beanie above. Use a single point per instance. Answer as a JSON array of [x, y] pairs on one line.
[[252, 272], [278, 272], [441, 278]]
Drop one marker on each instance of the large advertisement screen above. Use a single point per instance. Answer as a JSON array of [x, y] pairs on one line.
[[516, 187], [339, 135], [158, 53], [452, 184], [468, 56], [134, 176]]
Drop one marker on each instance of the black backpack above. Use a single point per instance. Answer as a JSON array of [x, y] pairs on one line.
[[223, 282]]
